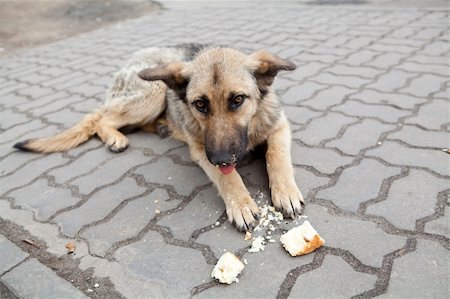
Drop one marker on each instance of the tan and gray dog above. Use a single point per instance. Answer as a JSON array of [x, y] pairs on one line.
[[217, 100]]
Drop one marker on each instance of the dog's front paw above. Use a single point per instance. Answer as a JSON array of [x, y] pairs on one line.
[[243, 213], [287, 198]]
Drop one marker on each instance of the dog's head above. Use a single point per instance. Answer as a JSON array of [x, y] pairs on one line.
[[223, 89]]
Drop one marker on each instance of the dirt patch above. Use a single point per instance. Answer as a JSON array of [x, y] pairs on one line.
[[27, 23]]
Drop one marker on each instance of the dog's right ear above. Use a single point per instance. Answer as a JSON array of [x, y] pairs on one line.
[[174, 75]]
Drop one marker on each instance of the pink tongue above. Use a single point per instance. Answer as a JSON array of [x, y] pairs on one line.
[[226, 169]]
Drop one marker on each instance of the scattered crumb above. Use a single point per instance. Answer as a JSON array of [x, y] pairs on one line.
[[217, 223], [227, 268], [96, 285], [257, 244], [248, 236], [156, 201], [71, 247], [245, 261], [157, 212], [89, 290]]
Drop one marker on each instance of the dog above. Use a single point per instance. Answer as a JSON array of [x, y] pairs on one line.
[[218, 100]]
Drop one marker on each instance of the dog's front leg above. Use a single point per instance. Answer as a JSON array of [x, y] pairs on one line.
[[240, 206], [286, 197]]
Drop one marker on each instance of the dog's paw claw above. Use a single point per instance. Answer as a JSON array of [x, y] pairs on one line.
[[288, 200], [243, 215]]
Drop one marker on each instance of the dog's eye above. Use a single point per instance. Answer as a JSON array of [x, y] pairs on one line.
[[201, 105], [237, 101]]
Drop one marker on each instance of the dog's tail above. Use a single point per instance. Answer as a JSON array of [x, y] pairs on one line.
[[64, 141]]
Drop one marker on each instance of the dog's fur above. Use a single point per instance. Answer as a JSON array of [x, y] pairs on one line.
[[217, 100]]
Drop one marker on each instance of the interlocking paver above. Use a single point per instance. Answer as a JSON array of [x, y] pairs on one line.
[[170, 264], [324, 160], [128, 222], [204, 210], [11, 255], [410, 199], [403, 101], [423, 273], [335, 277], [440, 225], [419, 137], [328, 97], [399, 154], [31, 279], [358, 184], [370, 94], [432, 115], [387, 113], [43, 204], [98, 206], [323, 128], [360, 136]]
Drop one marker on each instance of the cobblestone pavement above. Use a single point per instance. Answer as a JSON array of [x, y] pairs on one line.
[[369, 107]]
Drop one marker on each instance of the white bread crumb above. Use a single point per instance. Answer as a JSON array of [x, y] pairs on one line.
[[301, 240], [227, 268], [258, 244]]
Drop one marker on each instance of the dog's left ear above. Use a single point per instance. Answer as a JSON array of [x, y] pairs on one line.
[[174, 75], [267, 67]]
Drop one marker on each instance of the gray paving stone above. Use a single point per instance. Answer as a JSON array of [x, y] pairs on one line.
[[11, 118], [35, 91], [15, 160], [435, 48], [165, 172], [348, 81], [419, 137], [31, 279], [386, 113], [358, 184], [129, 221], [395, 153], [30, 171], [306, 70], [424, 85], [360, 57], [301, 92], [423, 273], [363, 239], [98, 206], [300, 115], [81, 165], [11, 255], [410, 199], [262, 275], [360, 136], [365, 72], [57, 105], [334, 277], [400, 100], [386, 60], [166, 264], [328, 97], [151, 141], [66, 117], [14, 133], [324, 160], [441, 225], [392, 81], [441, 69], [204, 210], [432, 115], [12, 100], [43, 100], [110, 171], [323, 128], [42, 199]]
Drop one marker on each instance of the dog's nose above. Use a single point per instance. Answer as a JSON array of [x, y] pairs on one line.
[[221, 158]]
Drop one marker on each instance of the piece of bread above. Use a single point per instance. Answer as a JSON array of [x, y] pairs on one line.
[[227, 268], [301, 240]]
